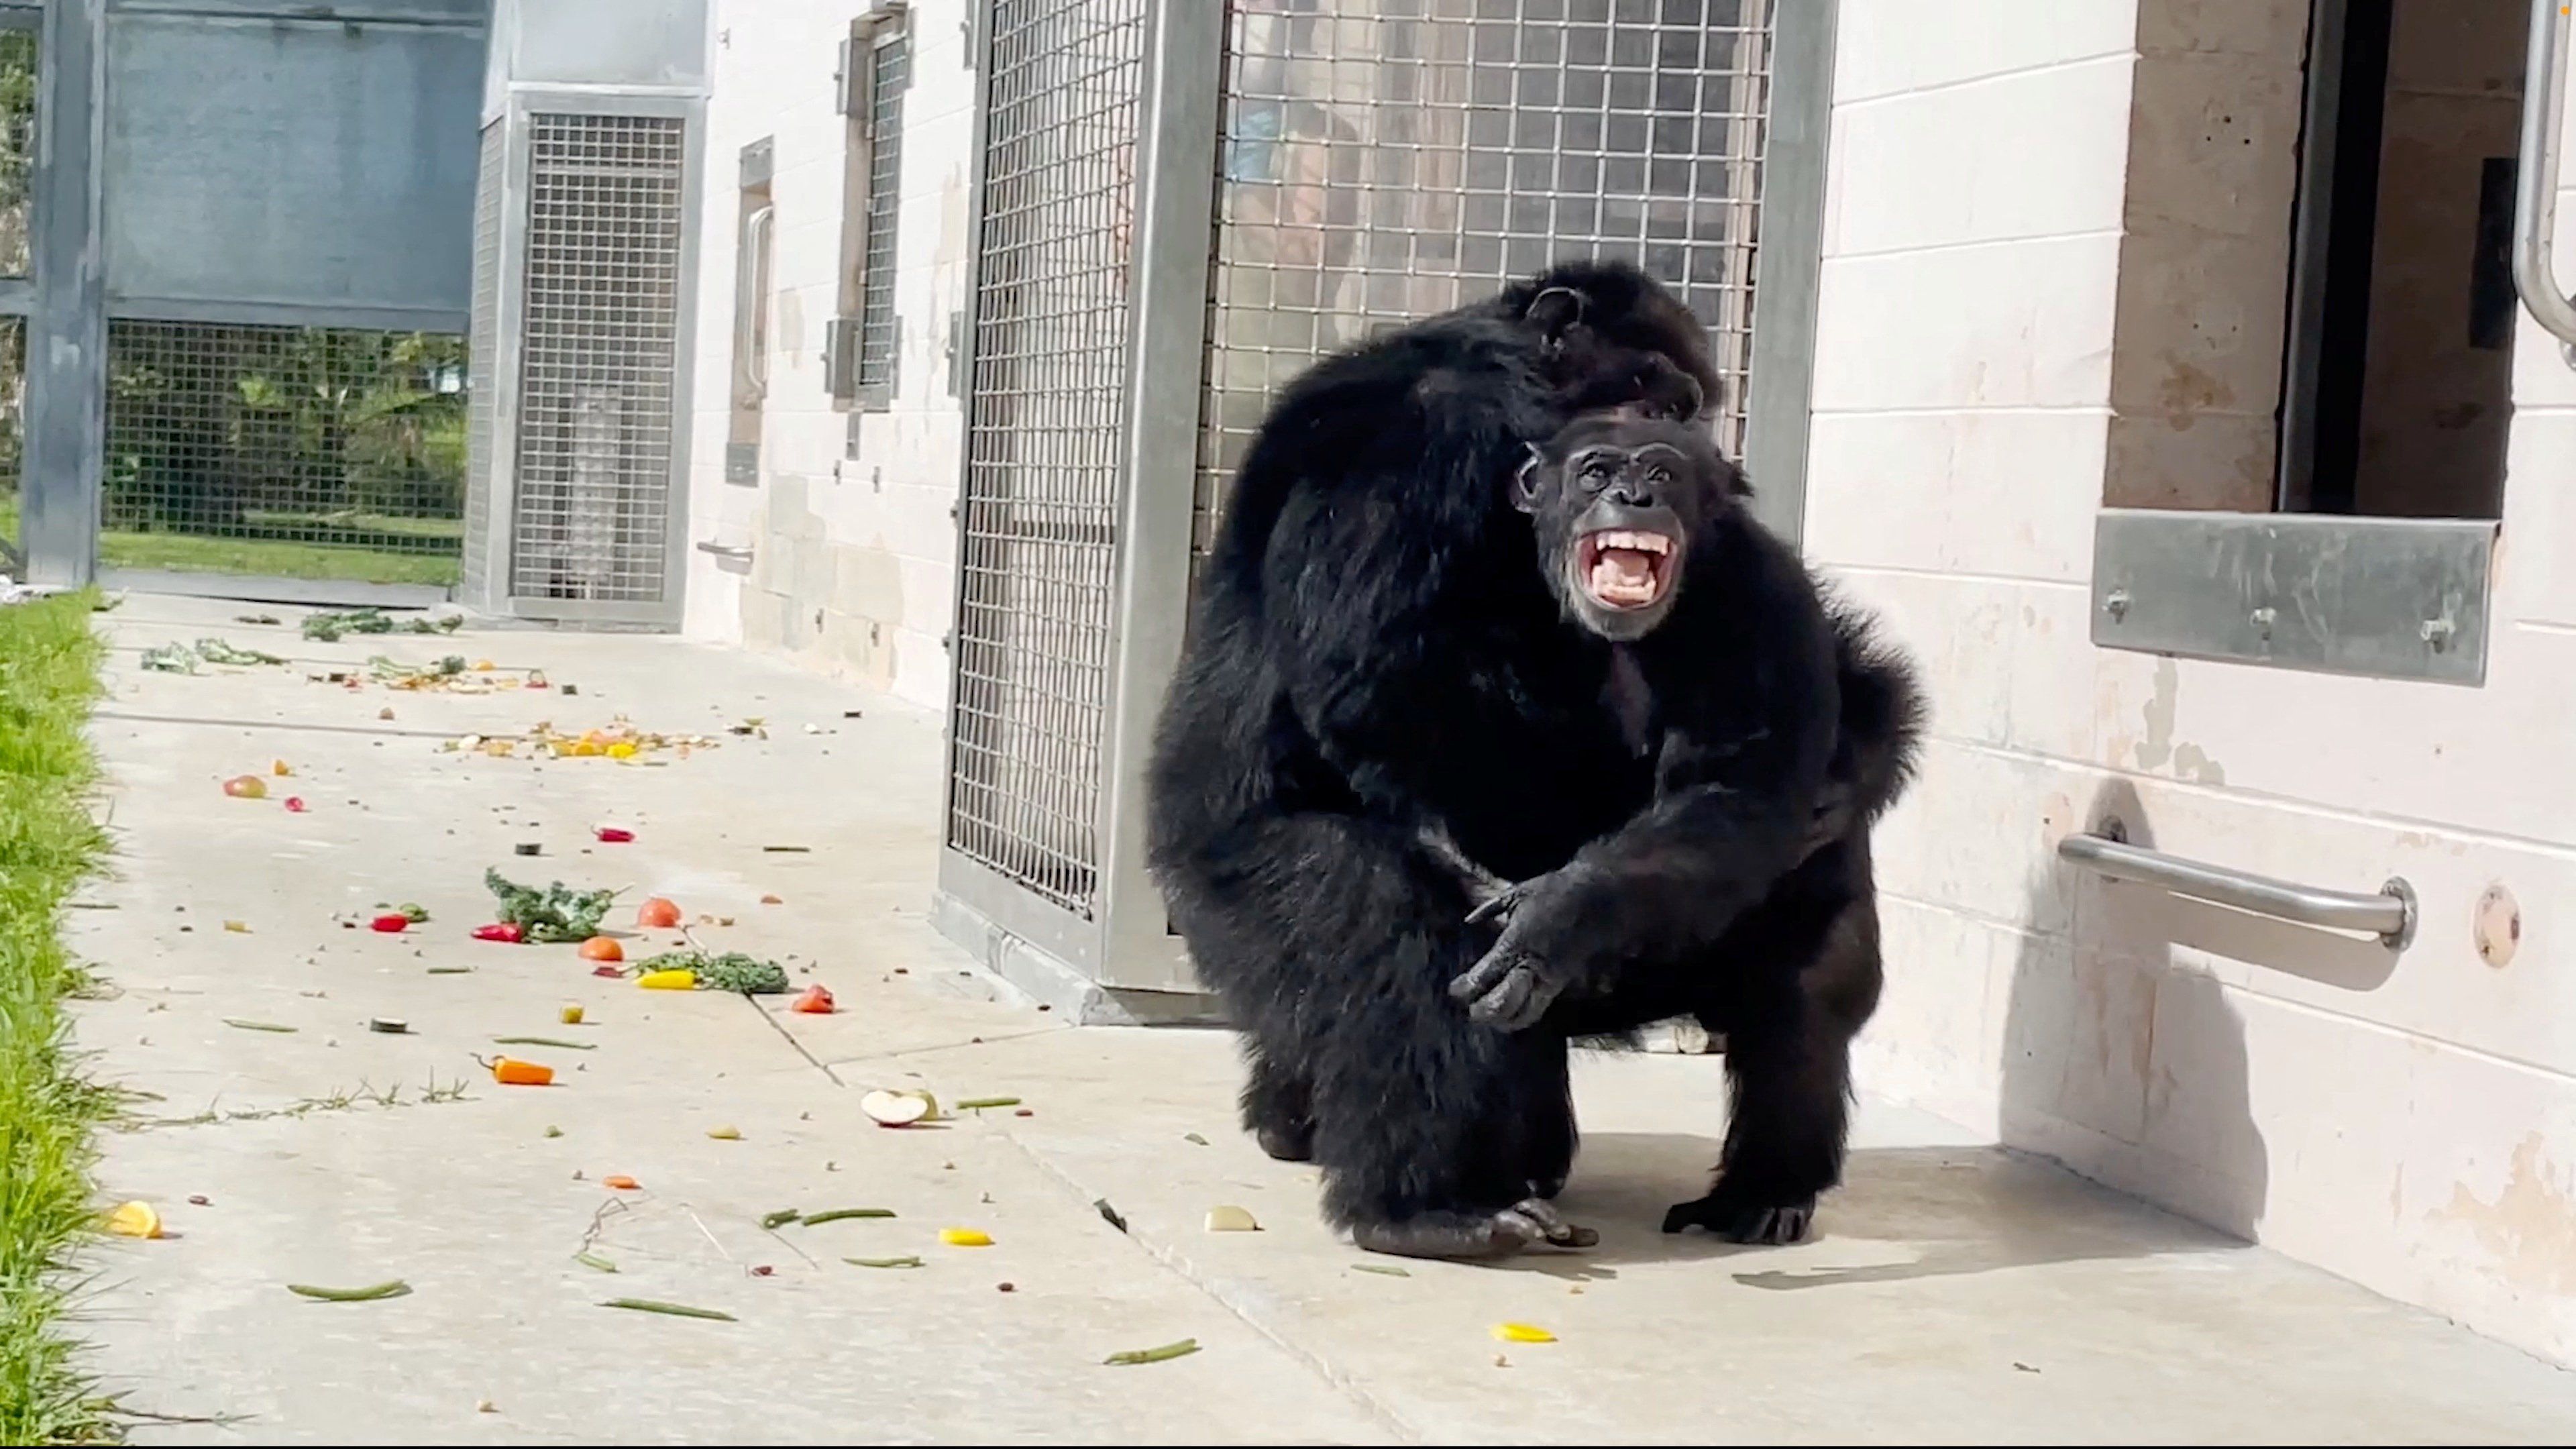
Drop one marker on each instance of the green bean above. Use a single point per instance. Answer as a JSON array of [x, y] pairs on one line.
[[545, 1041], [883, 1262], [593, 1260], [1182, 1349], [837, 1214], [780, 1218], [972, 1104], [394, 1289], [676, 1310], [255, 1025]]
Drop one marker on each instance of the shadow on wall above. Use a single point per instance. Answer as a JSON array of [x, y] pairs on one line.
[[2122, 1055]]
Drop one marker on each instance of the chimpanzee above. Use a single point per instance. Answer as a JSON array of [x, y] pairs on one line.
[[1742, 893], [1381, 708]]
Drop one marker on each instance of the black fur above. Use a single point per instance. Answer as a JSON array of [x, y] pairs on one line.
[[1380, 711]]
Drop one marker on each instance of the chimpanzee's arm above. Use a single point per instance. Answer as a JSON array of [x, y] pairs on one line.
[[1736, 808]]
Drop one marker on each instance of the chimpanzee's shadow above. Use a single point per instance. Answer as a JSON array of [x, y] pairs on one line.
[[1902, 1213]]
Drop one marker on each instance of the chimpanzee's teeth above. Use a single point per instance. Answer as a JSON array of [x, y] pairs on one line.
[[1654, 543]]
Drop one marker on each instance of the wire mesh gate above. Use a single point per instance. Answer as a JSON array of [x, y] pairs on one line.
[[1183, 204], [243, 246]]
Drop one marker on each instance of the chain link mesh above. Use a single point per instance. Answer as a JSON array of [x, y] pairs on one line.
[[598, 358], [1050, 388], [1395, 158]]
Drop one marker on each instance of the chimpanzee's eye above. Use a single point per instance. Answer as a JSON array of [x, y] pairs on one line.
[[1596, 471], [1659, 477]]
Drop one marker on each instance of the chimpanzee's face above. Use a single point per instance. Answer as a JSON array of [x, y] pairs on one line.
[[1617, 503]]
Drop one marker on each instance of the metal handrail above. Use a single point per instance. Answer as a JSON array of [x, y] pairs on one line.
[[2389, 914], [2535, 203]]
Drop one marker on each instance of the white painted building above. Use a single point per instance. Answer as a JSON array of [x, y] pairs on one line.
[[2060, 270]]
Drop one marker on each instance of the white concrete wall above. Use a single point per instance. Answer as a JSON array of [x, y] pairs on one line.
[[853, 549], [2012, 322]]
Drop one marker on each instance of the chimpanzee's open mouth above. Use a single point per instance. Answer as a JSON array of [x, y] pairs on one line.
[[1625, 568]]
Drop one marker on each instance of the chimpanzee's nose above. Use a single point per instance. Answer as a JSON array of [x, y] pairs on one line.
[[1630, 492]]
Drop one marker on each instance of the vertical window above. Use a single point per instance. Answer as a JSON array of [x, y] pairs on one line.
[[876, 69]]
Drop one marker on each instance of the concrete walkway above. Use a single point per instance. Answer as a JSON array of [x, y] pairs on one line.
[[1958, 1293]]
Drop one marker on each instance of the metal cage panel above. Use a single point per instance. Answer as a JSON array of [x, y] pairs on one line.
[[483, 404], [1395, 158], [1039, 506], [598, 357], [890, 72]]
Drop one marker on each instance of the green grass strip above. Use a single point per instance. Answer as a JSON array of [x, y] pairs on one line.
[[49, 659]]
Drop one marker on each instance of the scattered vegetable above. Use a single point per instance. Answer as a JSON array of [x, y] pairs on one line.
[[510, 1072], [1194, 1137], [839, 1214], [395, 1289], [883, 1262], [544, 1041], [295, 805], [135, 1220], [392, 922], [780, 1218], [1164, 1354], [899, 1109], [977, 1104], [1522, 1333], [602, 948], [732, 971], [238, 928], [1108, 1214], [553, 914], [725, 1134], [1227, 1218], [614, 835], [248, 1025], [246, 787], [814, 999], [279, 767], [675, 1310], [571, 1014], [329, 626], [593, 1260], [660, 980], [1388, 1270], [621, 1182], [506, 931], [965, 1237], [657, 914]]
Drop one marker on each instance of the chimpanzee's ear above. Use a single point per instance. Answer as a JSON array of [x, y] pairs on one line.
[[1555, 310], [1525, 482]]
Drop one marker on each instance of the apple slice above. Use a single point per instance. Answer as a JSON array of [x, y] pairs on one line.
[[899, 1109]]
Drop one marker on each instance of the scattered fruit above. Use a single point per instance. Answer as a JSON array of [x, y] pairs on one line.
[[1227, 1218], [134, 1220], [500, 931], [965, 1237], [899, 1109], [510, 1072], [571, 1014], [657, 914], [662, 980], [391, 923], [602, 948], [614, 835], [294, 804], [725, 1134], [278, 767], [246, 787], [1522, 1333], [816, 999], [621, 1182]]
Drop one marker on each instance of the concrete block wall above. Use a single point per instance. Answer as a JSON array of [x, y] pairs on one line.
[[853, 550], [2040, 289]]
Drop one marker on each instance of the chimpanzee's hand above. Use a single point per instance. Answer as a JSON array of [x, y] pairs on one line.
[[1518, 979]]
